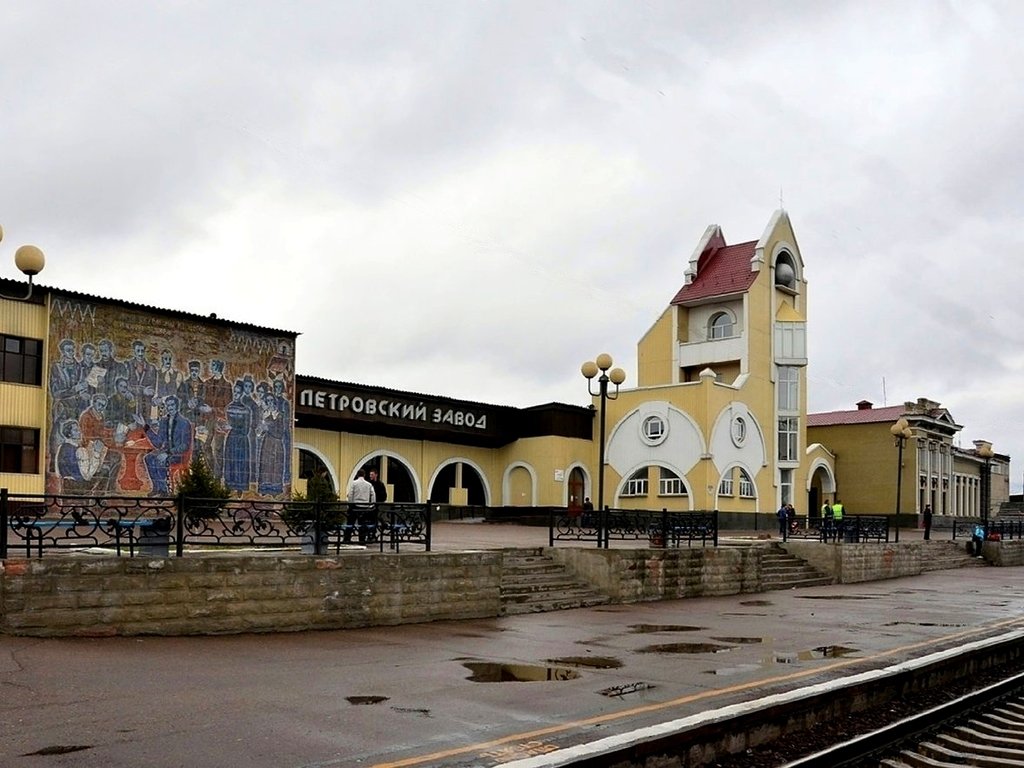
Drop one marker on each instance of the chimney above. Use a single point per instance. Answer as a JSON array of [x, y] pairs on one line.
[[864, 405]]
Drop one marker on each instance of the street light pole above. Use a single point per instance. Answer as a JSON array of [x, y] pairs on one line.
[[29, 260], [901, 432], [616, 376], [984, 449]]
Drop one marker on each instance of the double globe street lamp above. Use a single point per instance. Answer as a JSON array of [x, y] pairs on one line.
[[984, 450], [30, 261], [901, 432], [616, 376]]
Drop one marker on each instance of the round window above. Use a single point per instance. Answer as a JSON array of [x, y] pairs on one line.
[[654, 430], [738, 430]]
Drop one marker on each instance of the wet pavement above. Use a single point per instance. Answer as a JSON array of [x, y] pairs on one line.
[[469, 693]]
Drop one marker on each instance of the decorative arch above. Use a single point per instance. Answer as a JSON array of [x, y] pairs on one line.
[[628, 474], [756, 498], [785, 253], [369, 457], [468, 462], [828, 484], [721, 324], [331, 469], [588, 490], [506, 490]]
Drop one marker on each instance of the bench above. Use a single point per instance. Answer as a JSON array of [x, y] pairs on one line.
[[150, 534], [36, 530]]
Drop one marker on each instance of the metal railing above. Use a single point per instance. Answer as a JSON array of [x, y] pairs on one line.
[[659, 529], [852, 529], [162, 525]]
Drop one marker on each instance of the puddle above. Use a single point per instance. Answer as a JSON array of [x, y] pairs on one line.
[[626, 689], [836, 597], [490, 672], [920, 624], [594, 662], [644, 628], [59, 749], [686, 648], [756, 602], [423, 712], [744, 614], [821, 652], [741, 640], [365, 699]]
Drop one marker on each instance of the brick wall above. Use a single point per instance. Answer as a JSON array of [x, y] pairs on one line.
[[854, 563]]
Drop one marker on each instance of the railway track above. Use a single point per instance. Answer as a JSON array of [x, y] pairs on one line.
[[982, 728]]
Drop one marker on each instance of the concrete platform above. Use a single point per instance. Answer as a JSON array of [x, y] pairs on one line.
[[401, 696]]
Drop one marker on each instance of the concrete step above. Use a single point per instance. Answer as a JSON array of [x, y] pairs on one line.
[[532, 582]]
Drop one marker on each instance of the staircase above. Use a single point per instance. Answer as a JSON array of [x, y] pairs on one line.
[[945, 555], [1010, 510], [781, 570], [532, 582]]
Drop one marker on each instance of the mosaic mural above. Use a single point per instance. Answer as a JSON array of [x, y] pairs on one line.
[[134, 395]]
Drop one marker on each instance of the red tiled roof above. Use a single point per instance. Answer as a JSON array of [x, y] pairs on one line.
[[720, 271], [859, 416]]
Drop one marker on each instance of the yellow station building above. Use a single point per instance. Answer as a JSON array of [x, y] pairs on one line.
[[716, 419]]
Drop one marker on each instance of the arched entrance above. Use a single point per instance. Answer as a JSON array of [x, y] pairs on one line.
[[577, 488], [396, 475], [310, 464], [458, 483]]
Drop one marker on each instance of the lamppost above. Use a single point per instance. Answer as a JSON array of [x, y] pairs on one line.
[[29, 260], [616, 376], [901, 432], [984, 449]]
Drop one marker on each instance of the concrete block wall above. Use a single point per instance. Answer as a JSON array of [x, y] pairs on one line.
[[854, 563], [230, 594], [1006, 553], [639, 575]]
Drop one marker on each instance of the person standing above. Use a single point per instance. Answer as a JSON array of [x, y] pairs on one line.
[[783, 515], [927, 521], [361, 498], [380, 491], [837, 518]]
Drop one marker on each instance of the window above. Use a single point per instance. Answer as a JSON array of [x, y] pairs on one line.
[[746, 485], [653, 430], [21, 361], [786, 485], [789, 389], [19, 450], [725, 486], [788, 438], [738, 431], [721, 326], [637, 484], [670, 484]]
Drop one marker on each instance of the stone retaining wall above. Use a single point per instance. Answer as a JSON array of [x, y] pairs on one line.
[[639, 575], [231, 593]]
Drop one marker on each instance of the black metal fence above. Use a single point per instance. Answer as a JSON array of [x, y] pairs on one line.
[[852, 529], [1001, 530], [658, 529], [162, 526]]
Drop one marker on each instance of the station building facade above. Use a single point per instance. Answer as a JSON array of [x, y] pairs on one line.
[[717, 418]]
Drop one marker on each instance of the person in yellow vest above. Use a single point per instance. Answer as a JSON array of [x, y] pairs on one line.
[[826, 521], [837, 519]]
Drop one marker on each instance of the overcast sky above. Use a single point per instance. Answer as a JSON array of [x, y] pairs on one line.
[[471, 198]]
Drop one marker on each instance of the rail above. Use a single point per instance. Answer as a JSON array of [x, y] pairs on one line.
[[852, 529], [37, 523], [659, 529]]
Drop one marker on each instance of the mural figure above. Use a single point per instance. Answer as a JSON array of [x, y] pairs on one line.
[[107, 368], [138, 421], [238, 443], [172, 446], [271, 451], [84, 468], [168, 378], [218, 395], [141, 375]]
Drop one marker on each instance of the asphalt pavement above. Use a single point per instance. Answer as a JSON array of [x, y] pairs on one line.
[[468, 693]]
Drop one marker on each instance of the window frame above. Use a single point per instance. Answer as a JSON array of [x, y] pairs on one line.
[[789, 438], [22, 452], [638, 483], [747, 488], [714, 327], [31, 364], [670, 484]]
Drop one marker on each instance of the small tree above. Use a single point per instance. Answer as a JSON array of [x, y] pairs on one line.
[[198, 483], [318, 491]]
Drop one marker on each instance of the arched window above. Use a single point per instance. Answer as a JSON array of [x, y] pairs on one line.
[[785, 272], [636, 485], [720, 326]]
